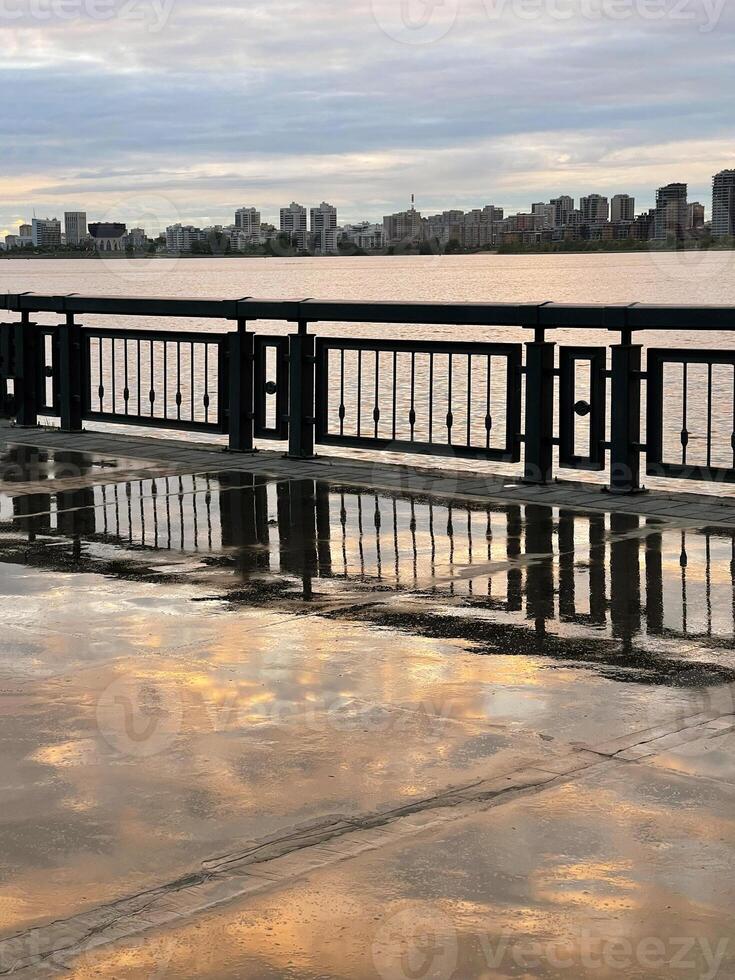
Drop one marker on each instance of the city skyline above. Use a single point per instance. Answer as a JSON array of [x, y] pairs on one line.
[[593, 209]]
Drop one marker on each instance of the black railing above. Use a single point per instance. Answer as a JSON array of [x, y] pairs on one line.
[[469, 399]]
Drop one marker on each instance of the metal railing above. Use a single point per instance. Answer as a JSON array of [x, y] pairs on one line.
[[469, 399]]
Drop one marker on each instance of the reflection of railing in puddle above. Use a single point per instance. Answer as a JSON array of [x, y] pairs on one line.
[[618, 574]]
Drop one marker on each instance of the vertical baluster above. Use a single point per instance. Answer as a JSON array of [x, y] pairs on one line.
[[431, 396], [412, 411], [376, 406], [101, 384], [341, 411], [126, 389], [152, 391], [450, 417], [395, 395], [359, 393], [469, 399], [112, 373], [206, 383], [191, 379], [165, 379], [139, 379], [488, 396], [709, 414], [178, 380]]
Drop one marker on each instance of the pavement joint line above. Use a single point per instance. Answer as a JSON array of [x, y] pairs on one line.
[[284, 857]]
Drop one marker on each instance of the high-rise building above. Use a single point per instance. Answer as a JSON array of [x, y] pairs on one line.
[[75, 227], [324, 228], [671, 212], [180, 238], [247, 220], [723, 204], [403, 227], [26, 231], [695, 216], [563, 206], [622, 208], [46, 232], [595, 209], [293, 224]]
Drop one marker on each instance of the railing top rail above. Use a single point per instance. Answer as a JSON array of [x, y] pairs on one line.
[[630, 317]]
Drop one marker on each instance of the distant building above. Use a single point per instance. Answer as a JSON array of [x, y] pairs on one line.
[[595, 209], [247, 221], [180, 238], [324, 228], [403, 227], [563, 206], [671, 212], [26, 231], [479, 227], [46, 232], [108, 236], [695, 216], [136, 239], [622, 208], [75, 227], [723, 204], [643, 226], [443, 228], [293, 224]]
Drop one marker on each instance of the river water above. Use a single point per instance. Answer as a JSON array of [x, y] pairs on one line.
[[645, 277]]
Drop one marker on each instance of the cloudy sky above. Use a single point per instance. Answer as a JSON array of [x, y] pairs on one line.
[[152, 111]]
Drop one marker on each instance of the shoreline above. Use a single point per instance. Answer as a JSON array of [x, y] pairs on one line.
[[502, 250]]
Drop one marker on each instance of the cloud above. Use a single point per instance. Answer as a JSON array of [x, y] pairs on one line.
[[213, 105]]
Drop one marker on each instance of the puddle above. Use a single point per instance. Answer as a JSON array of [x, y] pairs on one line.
[[628, 596], [27, 464]]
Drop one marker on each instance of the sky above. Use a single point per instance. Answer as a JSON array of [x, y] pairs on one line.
[[155, 111]]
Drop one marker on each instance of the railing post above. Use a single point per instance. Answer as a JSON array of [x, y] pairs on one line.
[[241, 405], [539, 424], [70, 375], [625, 411], [27, 371], [301, 393]]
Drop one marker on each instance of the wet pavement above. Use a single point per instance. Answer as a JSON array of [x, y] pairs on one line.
[[530, 706]]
